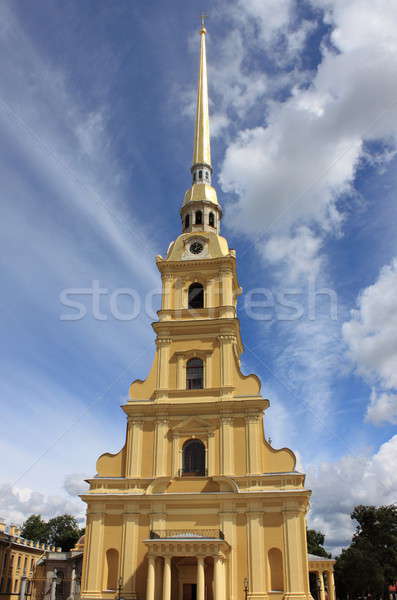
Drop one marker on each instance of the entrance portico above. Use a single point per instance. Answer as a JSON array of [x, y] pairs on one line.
[[193, 567]]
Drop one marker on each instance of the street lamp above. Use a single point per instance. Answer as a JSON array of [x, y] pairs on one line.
[[245, 587], [120, 587]]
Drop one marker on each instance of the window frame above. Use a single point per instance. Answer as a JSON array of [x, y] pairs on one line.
[[191, 379]]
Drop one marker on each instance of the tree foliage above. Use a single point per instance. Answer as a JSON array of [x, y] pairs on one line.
[[369, 565], [62, 531], [315, 543], [35, 528]]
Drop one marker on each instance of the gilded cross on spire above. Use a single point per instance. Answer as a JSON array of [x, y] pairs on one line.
[[203, 18]]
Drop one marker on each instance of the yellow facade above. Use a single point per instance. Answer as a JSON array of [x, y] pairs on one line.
[[197, 501], [18, 562]]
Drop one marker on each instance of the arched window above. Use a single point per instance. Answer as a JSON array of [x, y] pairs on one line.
[[196, 296], [199, 217], [193, 458], [194, 374], [200, 174], [207, 175], [276, 570], [112, 566], [211, 219], [187, 222]]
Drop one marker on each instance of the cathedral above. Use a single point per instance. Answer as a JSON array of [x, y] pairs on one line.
[[197, 505]]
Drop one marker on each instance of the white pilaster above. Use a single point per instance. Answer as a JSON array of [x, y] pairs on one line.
[[295, 565], [129, 553], [256, 554], [252, 443], [134, 448], [227, 454], [211, 454], [160, 466]]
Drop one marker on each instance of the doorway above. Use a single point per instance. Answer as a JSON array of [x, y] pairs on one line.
[[189, 591]]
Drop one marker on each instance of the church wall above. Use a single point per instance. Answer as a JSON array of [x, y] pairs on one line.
[[215, 370], [273, 524], [241, 550], [147, 449], [141, 573], [240, 461]]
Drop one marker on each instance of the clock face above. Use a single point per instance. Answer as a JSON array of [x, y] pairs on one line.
[[196, 248]]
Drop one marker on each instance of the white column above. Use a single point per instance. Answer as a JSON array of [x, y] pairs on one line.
[[22, 590], [151, 573], [72, 585], [219, 575], [54, 585], [331, 585], [167, 578], [320, 580], [200, 579]]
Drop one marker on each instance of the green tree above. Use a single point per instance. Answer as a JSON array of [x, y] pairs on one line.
[[63, 531], [369, 565], [315, 543], [35, 528]]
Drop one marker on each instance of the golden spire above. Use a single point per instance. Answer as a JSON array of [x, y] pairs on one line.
[[202, 150]]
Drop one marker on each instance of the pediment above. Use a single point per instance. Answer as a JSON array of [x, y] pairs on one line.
[[193, 425]]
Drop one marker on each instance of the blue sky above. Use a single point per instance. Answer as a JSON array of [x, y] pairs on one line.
[[96, 122]]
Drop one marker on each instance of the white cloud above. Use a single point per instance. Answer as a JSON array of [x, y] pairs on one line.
[[75, 483], [16, 504], [300, 250], [371, 338], [382, 408], [371, 333], [294, 165], [341, 485]]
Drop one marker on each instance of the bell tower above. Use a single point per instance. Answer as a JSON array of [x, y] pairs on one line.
[[197, 502]]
